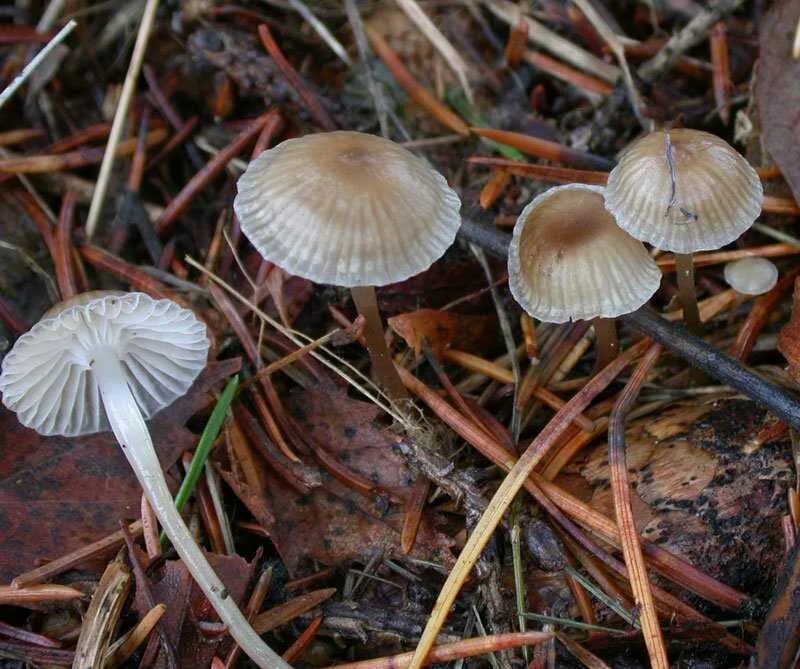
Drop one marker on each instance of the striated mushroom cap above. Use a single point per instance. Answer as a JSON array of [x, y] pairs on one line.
[[684, 191], [47, 379], [751, 276], [347, 208], [568, 260]]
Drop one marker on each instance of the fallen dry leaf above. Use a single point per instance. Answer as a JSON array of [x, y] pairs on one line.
[[186, 604], [58, 494], [333, 524], [789, 337], [778, 87]]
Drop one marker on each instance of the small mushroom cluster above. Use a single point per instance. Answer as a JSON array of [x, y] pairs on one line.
[[577, 251]]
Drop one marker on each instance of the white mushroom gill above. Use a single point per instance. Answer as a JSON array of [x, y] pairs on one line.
[[110, 362]]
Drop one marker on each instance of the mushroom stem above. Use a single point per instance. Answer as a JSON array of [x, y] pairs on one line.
[[134, 438], [606, 342], [382, 366], [684, 269]]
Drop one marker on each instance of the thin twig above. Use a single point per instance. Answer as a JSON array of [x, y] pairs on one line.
[[142, 38], [37, 60]]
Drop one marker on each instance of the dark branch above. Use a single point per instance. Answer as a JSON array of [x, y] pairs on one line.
[[696, 351]]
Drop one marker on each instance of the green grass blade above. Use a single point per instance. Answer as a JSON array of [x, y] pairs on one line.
[[207, 439]]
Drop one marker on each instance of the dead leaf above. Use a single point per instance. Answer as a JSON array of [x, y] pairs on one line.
[[58, 494], [333, 524], [789, 337], [438, 327], [186, 604], [778, 87]]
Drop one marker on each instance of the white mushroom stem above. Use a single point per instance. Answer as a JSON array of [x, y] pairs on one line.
[[134, 438]]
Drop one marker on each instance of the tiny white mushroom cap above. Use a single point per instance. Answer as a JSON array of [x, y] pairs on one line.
[[568, 260], [47, 379], [751, 276], [347, 208], [684, 190]]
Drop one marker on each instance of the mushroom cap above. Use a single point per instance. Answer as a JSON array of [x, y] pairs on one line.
[[47, 379], [751, 276], [568, 260], [347, 208], [684, 191]]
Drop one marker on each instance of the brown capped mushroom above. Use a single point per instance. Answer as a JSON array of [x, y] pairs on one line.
[[684, 191], [349, 209], [568, 260]]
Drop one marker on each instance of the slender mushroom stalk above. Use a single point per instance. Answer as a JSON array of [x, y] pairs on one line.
[[382, 366], [606, 342], [687, 295], [98, 362], [349, 209], [684, 191]]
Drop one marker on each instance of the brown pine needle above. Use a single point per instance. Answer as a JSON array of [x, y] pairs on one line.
[[415, 503], [629, 537], [302, 642], [454, 651], [493, 188], [33, 594], [543, 148], [283, 613]]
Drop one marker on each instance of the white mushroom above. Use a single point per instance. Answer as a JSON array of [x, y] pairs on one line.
[[111, 360], [751, 276]]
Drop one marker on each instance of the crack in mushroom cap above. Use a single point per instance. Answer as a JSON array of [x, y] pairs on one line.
[[568, 260], [47, 378], [751, 276], [684, 191], [347, 208]]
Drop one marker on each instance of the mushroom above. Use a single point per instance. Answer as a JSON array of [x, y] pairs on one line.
[[349, 209], [111, 360], [684, 191], [751, 276], [568, 260]]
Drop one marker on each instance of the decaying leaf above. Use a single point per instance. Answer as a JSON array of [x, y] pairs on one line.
[[334, 524], [58, 494], [186, 605], [444, 329], [779, 90], [789, 338]]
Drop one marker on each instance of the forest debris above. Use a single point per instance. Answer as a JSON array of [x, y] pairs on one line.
[[102, 616], [554, 43], [284, 613], [34, 594], [778, 90]]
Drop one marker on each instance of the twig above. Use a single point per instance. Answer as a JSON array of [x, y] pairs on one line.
[[321, 29], [690, 35], [693, 349], [440, 42], [631, 550], [142, 38], [37, 60]]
